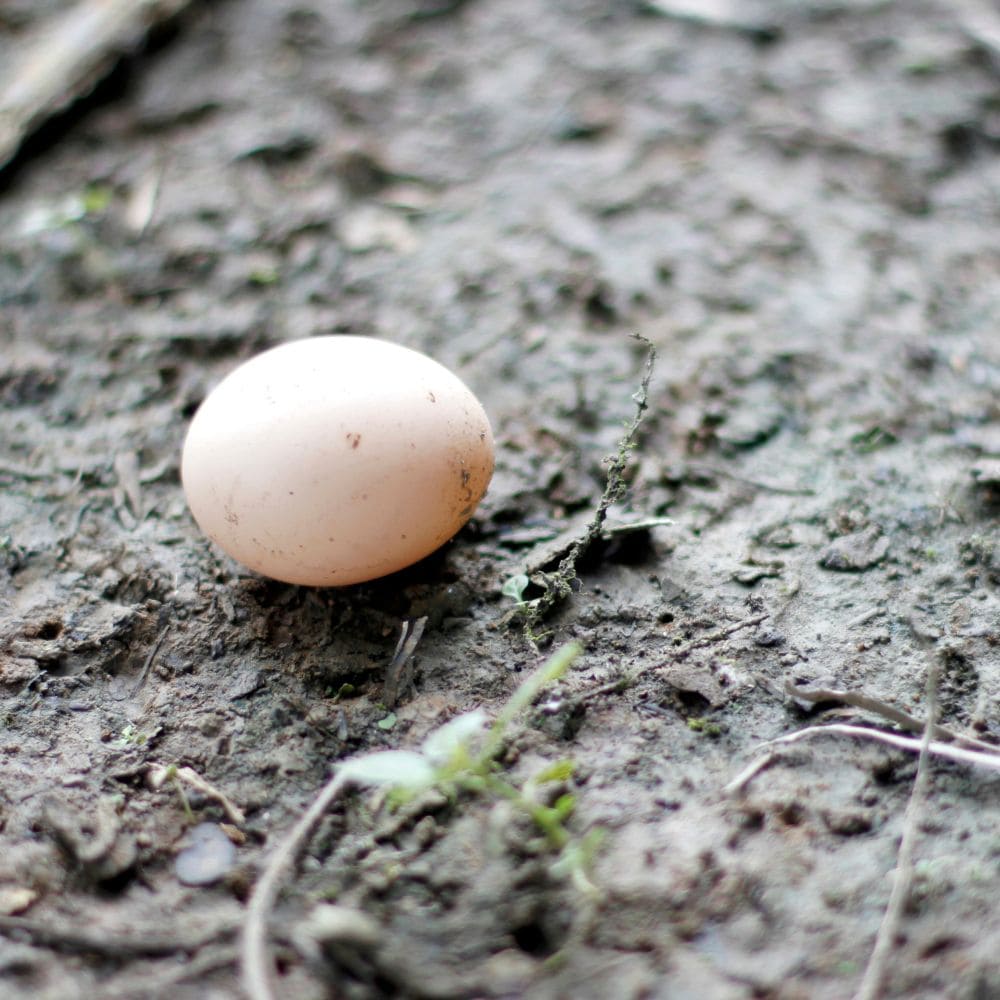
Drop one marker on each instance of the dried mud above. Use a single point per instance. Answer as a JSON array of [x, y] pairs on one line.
[[799, 209]]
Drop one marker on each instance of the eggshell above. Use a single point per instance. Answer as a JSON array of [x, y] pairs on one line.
[[333, 460]]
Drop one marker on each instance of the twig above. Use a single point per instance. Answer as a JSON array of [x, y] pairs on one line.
[[255, 955], [863, 619], [23, 472], [558, 585], [410, 633], [144, 673], [739, 784], [158, 774], [107, 942], [152, 982], [679, 652], [615, 686], [990, 761], [788, 491], [868, 703], [875, 973], [66, 57]]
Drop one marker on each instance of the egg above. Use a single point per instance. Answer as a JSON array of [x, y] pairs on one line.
[[334, 460]]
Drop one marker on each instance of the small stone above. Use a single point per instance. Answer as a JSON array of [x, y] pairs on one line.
[[855, 552], [329, 926], [987, 472], [986, 476], [848, 822], [768, 638], [210, 854], [749, 575], [16, 899]]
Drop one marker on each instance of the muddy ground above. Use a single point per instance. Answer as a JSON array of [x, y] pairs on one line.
[[798, 205]]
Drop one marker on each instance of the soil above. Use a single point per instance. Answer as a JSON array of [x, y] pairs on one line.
[[796, 203]]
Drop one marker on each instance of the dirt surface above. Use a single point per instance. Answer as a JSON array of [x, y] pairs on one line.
[[799, 207]]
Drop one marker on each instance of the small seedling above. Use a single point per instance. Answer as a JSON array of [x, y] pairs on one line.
[[460, 757], [457, 757], [710, 729], [514, 588], [128, 738], [181, 794]]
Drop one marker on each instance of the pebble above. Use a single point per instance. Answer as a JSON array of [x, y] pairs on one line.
[[210, 854], [855, 552]]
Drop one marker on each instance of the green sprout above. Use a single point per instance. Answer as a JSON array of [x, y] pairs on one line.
[[128, 738], [460, 757], [710, 729], [179, 788], [515, 586]]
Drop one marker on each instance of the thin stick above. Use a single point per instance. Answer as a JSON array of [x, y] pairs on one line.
[[990, 761], [66, 57], [144, 673], [106, 941], [863, 619], [256, 963], [723, 633], [875, 973], [158, 774], [739, 784], [410, 633], [154, 982], [788, 491], [868, 703]]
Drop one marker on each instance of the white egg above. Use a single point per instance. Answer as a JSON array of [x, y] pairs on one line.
[[333, 460]]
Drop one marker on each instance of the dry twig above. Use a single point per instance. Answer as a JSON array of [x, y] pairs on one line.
[[144, 673], [723, 633], [875, 973], [66, 57], [397, 674], [991, 761], [255, 955], [104, 942], [157, 981], [757, 484], [868, 703], [159, 774]]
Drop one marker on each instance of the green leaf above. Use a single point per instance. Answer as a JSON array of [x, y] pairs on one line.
[[552, 669], [564, 806], [515, 587], [442, 746], [95, 198], [872, 439], [395, 768], [388, 722], [560, 770]]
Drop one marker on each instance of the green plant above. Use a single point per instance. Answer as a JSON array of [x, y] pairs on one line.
[[462, 757], [514, 588], [699, 725], [129, 737], [174, 780]]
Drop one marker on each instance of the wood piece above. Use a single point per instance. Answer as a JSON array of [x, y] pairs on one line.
[[877, 971], [105, 941], [65, 57]]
